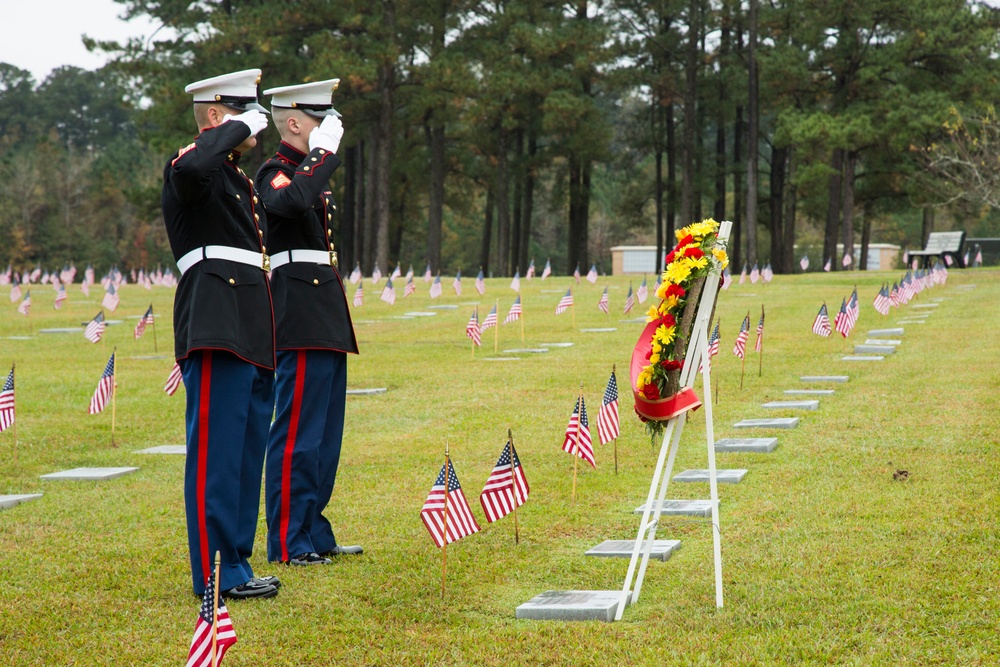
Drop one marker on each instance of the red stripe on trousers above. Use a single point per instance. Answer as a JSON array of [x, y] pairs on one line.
[[203, 412], [286, 462]]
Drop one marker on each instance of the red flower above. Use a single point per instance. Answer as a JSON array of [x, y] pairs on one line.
[[670, 257], [641, 418], [651, 391], [694, 252], [687, 240], [675, 290], [671, 365], [668, 320], [649, 354]]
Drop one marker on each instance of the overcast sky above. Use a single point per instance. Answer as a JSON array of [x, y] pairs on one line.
[[40, 35]]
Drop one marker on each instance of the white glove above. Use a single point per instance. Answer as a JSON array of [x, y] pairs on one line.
[[253, 119], [327, 135]]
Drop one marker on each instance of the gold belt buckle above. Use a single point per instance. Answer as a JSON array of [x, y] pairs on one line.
[[265, 262], [333, 258]]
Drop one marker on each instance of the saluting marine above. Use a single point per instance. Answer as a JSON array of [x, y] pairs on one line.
[[314, 329], [223, 330]]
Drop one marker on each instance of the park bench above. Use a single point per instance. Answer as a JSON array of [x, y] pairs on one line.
[[941, 244]]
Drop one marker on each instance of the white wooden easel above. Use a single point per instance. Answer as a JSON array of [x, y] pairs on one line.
[[695, 359]]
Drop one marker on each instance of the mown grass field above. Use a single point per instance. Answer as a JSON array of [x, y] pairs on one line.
[[826, 559]]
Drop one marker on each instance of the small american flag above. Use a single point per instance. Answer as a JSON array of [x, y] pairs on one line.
[[759, 345], [592, 274], [85, 288], [173, 380], [743, 274], [209, 623], [978, 261], [144, 321], [576, 273], [506, 487], [578, 440], [894, 295], [754, 274], [515, 283], [842, 322], [714, 341], [804, 262], [355, 276], [965, 259], [727, 278], [490, 320], [530, 273], [457, 282], [25, 306], [15, 290], [460, 520], [607, 418], [739, 349], [848, 260], [105, 387], [436, 287], [60, 296], [480, 283], [565, 302], [853, 309], [767, 274], [111, 298], [829, 264], [472, 329], [359, 295], [428, 276], [95, 328], [410, 288], [882, 301], [388, 293], [602, 305], [642, 293], [821, 325], [409, 273], [547, 271], [376, 275], [7, 402], [397, 272], [515, 311], [629, 300]]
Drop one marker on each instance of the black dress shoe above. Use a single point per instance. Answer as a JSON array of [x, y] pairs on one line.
[[272, 580], [250, 590], [309, 558], [353, 550]]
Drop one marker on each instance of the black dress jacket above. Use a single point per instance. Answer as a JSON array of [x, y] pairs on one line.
[[208, 200], [310, 305]]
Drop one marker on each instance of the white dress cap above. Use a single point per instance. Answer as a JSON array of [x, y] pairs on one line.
[[237, 90], [314, 99]]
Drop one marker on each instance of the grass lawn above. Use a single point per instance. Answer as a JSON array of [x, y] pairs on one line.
[[826, 559]]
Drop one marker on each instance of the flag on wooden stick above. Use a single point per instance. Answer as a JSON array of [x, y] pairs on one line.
[[629, 300], [608, 427], [60, 296], [515, 311], [173, 380], [147, 319], [105, 387], [821, 325], [7, 402], [739, 349], [577, 440], [460, 522], [213, 631], [506, 488], [602, 305]]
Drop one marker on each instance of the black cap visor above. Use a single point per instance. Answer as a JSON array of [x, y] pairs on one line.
[[240, 103]]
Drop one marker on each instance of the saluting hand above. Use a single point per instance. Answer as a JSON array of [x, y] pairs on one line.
[[253, 119], [327, 135]]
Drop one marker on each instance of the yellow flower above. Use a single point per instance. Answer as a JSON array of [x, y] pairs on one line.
[[677, 272], [657, 348], [696, 262], [665, 334], [661, 291], [721, 255], [652, 314], [645, 377], [654, 359], [671, 303]]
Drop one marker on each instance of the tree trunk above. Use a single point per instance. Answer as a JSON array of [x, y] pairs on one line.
[[926, 227], [866, 233], [833, 209], [738, 187], [484, 248], [515, 231], [779, 157], [436, 143], [658, 186], [346, 222], [849, 204], [383, 148], [788, 249], [579, 195], [691, 65], [719, 210], [752, 135], [528, 201], [671, 221], [368, 260], [502, 205]]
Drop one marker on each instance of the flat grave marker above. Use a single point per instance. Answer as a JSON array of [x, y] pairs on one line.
[[164, 449], [501, 359], [527, 350], [792, 405], [599, 330], [571, 606], [810, 392], [20, 338], [420, 313], [555, 345], [726, 476], [59, 330], [662, 549], [876, 333], [912, 322], [6, 502], [862, 357], [443, 306], [926, 305], [874, 349], [90, 474], [823, 378], [752, 445], [372, 391], [701, 508], [883, 341], [779, 422]]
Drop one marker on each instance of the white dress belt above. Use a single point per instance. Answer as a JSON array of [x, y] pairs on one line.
[[304, 256], [249, 257]]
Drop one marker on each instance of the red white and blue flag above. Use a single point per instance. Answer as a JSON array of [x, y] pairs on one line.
[[457, 282], [565, 302], [111, 298], [882, 300], [515, 311], [428, 276], [515, 283], [576, 273], [578, 440], [60, 296], [460, 521], [173, 380], [490, 320], [506, 488], [376, 275], [25, 306], [608, 427], [480, 283], [436, 287], [821, 325], [754, 274], [7, 402], [472, 328], [530, 273], [355, 276], [602, 305], [105, 387], [629, 300], [144, 321], [388, 293], [211, 624], [592, 274], [359, 295], [547, 271], [95, 328], [759, 345], [642, 293], [739, 349], [842, 322], [411, 286]]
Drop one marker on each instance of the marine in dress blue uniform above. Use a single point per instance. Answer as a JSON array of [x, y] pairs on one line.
[[314, 332], [223, 330]]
